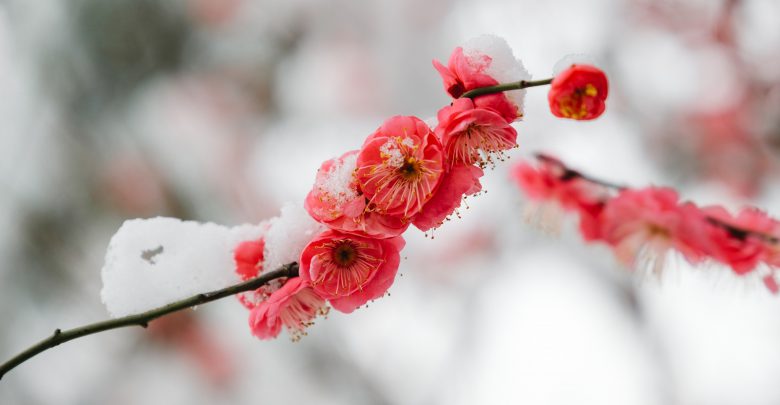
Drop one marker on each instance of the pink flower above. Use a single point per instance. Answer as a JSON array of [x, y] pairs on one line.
[[459, 181], [249, 257], [552, 181], [745, 240], [350, 270], [481, 62], [579, 93], [399, 167], [293, 306], [766, 231], [726, 146], [769, 229], [651, 221], [727, 243], [463, 74], [337, 201], [472, 135]]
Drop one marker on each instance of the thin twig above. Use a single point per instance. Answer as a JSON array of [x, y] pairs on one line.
[[143, 319], [522, 84]]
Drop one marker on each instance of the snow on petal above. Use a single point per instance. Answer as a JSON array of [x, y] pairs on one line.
[[503, 66]]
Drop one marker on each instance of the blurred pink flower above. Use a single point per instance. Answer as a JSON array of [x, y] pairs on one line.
[[651, 221], [728, 147], [734, 247], [766, 233], [552, 181], [185, 333]]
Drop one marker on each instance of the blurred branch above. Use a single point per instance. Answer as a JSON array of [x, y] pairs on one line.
[[143, 319], [522, 84], [734, 230]]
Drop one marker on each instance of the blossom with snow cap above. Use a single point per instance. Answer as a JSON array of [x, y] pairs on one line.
[[473, 135], [293, 306], [350, 270], [578, 92], [485, 61], [337, 201], [399, 167]]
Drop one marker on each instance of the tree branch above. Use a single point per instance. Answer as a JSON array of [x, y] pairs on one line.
[[522, 84], [143, 319], [735, 231]]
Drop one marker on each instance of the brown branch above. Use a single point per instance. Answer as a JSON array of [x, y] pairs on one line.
[[522, 84], [143, 319]]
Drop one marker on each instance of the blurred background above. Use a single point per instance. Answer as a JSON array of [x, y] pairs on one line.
[[222, 110]]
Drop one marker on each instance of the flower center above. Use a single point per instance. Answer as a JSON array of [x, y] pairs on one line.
[[589, 90], [411, 169], [658, 231], [574, 105], [347, 265], [402, 181], [344, 254]]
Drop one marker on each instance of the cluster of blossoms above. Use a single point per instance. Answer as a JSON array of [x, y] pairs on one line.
[[643, 225], [405, 173]]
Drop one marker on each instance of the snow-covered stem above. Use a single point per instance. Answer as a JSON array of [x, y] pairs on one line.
[[522, 84], [143, 319]]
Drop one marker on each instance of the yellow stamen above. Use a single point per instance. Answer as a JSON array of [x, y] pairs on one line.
[[591, 91]]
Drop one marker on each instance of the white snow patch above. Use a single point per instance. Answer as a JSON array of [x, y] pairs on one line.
[[156, 261], [338, 181], [504, 67], [574, 59], [289, 233], [392, 152]]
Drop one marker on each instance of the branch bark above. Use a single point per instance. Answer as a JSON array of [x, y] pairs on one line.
[[522, 84], [143, 319]]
